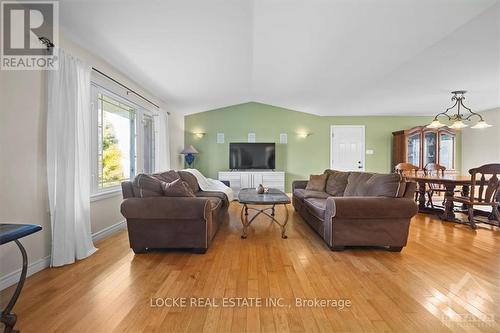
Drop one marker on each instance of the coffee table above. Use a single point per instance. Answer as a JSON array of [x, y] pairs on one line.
[[249, 196]]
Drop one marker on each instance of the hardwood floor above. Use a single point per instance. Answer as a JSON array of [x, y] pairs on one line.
[[446, 279]]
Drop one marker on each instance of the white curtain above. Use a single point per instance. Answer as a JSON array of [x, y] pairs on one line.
[[68, 159], [163, 146]]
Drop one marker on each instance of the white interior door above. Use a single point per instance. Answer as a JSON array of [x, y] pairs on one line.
[[347, 148]]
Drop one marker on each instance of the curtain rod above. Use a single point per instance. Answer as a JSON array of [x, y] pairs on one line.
[[124, 86], [48, 43]]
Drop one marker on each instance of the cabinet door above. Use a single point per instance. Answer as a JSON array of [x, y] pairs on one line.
[[257, 179], [430, 148], [447, 150], [246, 180], [274, 180], [413, 149]]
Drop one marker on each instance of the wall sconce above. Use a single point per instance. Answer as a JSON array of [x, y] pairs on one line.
[[199, 135], [303, 135]]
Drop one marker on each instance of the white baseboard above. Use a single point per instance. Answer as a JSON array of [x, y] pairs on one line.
[[106, 232], [12, 278]]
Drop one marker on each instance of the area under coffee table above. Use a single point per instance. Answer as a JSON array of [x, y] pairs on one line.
[[273, 198]]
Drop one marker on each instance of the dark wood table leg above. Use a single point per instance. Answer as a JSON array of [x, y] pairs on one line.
[[465, 193], [8, 318], [449, 214], [492, 215], [421, 196]]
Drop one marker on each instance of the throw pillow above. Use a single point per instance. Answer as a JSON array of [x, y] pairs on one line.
[[336, 182], [317, 182], [167, 176], [190, 180], [147, 186], [177, 188]]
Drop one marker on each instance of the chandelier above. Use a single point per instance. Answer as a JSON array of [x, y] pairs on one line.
[[459, 118]]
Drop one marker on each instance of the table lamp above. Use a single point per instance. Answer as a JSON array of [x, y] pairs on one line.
[[189, 153]]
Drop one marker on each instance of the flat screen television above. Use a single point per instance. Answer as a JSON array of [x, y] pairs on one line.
[[252, 156]]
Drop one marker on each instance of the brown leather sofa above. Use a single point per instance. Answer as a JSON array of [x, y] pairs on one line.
[[159, 222], [358, 209]]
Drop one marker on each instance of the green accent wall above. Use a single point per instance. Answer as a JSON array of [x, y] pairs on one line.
[[301, 156]]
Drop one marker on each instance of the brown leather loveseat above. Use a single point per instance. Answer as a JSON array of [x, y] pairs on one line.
[[358, 209], [155, 221]]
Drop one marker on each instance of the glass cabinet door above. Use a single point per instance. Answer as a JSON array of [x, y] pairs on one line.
[[413, 149], [447, 150], [430, 147]]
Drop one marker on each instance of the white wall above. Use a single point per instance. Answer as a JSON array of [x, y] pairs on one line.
[[23, 184], [481, 146]]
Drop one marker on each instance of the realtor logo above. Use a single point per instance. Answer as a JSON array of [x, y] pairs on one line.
[[24, 25]]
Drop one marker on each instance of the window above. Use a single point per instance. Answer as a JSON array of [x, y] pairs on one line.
[[116, 141], [123, 140]]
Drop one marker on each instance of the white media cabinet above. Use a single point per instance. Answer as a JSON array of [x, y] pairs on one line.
[[252, 178]]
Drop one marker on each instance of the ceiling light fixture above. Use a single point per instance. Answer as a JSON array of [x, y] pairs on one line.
[[459, 118]]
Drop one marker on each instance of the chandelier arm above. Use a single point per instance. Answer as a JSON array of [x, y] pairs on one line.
[[451, 107], [442, 114], [472, 113]]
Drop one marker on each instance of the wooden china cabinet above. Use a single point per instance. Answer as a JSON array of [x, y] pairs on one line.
[[421, 145]]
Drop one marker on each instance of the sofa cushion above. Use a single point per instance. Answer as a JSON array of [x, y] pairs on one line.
[[177, 188], [303, 193], [364, 184], [317, 182], [147, 186], [167, 176], [316, 207], [190, 180], [336, 182]]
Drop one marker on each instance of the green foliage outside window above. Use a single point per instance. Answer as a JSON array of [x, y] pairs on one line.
[[112, 169]]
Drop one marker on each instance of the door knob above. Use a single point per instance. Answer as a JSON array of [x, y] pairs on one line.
[[360, 167]]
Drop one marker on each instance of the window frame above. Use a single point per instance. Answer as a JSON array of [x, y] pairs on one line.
[[137, 160]]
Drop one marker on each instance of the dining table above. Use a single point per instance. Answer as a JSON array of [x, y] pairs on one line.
[[450, 182]]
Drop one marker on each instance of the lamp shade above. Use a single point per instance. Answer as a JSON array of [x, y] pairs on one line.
[[435, 124], [189, 150]]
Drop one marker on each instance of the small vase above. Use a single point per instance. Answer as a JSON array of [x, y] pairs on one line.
[[260, 189]]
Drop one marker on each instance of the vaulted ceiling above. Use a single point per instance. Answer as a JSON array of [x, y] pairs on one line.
[[327, 57]]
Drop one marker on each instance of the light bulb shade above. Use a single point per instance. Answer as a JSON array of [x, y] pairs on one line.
[[458, 124], [435, 124], [481, 124], [189, 150]]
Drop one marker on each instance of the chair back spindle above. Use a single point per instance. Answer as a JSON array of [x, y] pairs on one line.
[[433, 169]]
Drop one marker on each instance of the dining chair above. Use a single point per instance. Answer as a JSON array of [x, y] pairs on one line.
[[487, 190], [407, 169], [433, 170]]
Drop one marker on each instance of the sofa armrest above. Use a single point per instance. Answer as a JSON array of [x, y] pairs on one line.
[[166, 207], [371, 207], [296, 184]]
